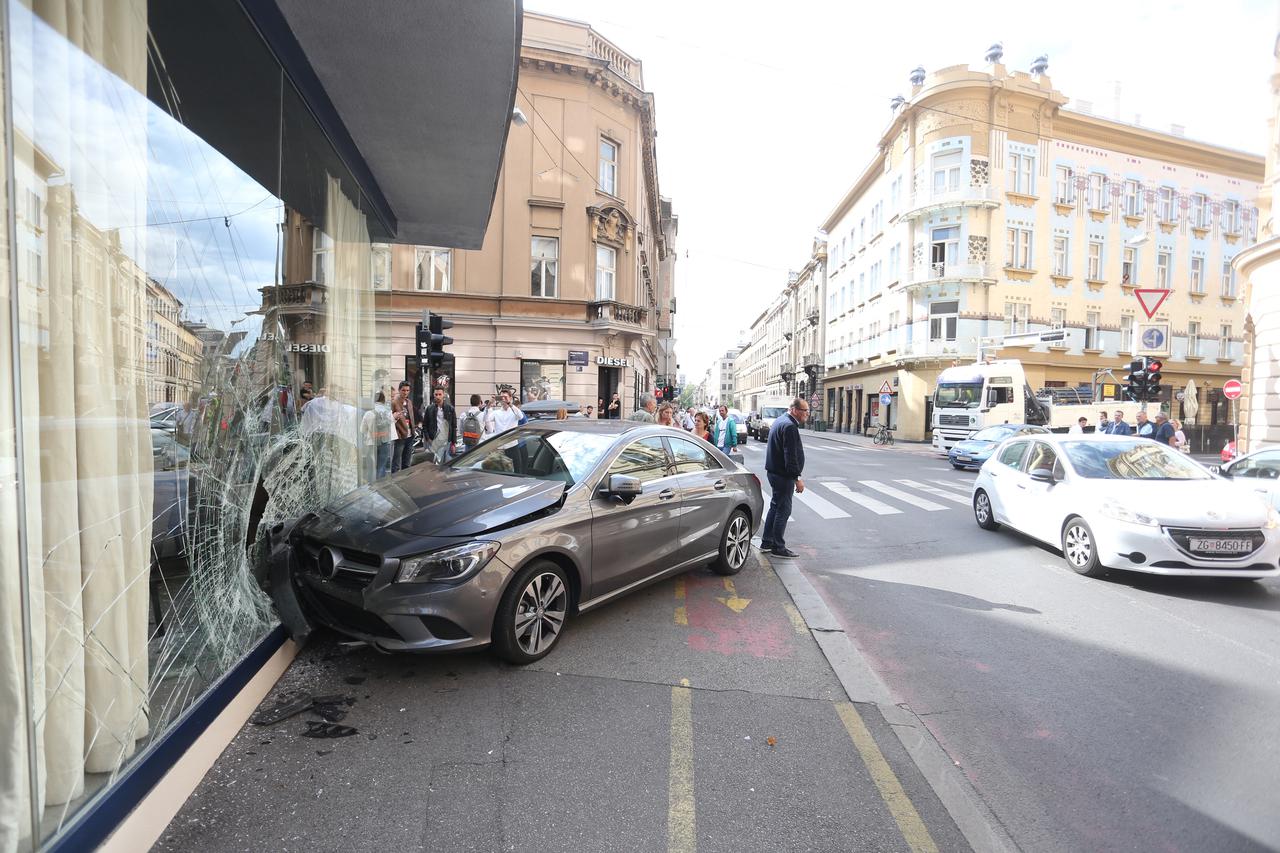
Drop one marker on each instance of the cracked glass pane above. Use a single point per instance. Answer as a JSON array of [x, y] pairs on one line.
[[190, 293]]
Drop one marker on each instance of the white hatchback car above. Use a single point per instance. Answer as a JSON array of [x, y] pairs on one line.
[[1120, 502]]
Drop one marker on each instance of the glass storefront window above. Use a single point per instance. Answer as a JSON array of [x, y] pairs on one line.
[[190, 294], [541, 380]]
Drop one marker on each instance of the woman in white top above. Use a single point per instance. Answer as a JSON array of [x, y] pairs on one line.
[[1179, 437]]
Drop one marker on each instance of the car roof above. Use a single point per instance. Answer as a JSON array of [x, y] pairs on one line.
[[1061, 437]]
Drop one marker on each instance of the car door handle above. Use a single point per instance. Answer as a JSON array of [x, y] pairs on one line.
[[666, 494], [1022, 485], [718, 485]]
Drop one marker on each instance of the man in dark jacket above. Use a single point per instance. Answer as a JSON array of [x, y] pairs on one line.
[[783, 465], [440, 423]]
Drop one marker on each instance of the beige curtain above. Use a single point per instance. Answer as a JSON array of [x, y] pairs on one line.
[[80, 151]]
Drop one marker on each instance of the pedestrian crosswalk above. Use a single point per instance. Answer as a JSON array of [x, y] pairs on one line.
[[839, 497]]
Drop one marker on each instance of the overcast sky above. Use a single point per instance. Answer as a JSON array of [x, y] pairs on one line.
[[767, 112]]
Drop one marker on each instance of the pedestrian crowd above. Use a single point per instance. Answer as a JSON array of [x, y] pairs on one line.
[[1160, 428]]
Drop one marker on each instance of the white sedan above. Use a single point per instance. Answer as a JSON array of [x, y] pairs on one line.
[[1120, 502]]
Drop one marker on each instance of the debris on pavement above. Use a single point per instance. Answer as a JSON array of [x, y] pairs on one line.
[[325, 730], [289, 705]]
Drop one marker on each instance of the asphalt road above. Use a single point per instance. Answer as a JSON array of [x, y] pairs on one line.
[[693, 715], [1129, 713]]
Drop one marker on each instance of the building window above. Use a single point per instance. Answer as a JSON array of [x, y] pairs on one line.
[[381, 267], [1164, 270], [1193, 339], [895, 262], [1168, 213], [1018, 247], [1228, 279], [943, 317], [1200, 210], [1224, 341], [1017, 315], [875, 278], [1064, 185], [1197, 275], [1057, 318], [1132, 198], [1022, 174], [541, 380], [1098, 191], [895, 194], [606, 272], [322, 258], [1061, 250], [1126, 333], [945, 248], [1231, 216], [544, 266], [946, 171], [433, 269], [1092, 337], [1129, 267], [877, 218], [1095, 260], [608, 166]]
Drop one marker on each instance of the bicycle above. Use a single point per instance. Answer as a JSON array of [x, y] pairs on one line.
[[883, 435]]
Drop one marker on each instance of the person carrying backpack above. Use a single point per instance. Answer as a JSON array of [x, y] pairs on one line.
[[472, 424]]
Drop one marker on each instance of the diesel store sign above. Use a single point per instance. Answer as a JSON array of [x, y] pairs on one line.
[[610, 361]]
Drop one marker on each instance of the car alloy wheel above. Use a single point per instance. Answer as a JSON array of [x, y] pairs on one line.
[[735, 545], [532, 613], [982, 511], [1080, 549]]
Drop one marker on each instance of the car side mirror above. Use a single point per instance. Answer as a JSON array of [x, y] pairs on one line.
[[623, 487], [1221, 470], [1043, 475]]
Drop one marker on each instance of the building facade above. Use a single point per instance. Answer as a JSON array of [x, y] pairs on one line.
[[722, 379], [174, 352], [990, 209], [1259, 271], [571, 296]]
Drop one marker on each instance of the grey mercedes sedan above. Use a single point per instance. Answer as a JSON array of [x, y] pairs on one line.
[[508, 541]]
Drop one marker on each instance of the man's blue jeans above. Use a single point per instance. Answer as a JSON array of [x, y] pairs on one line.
[[775, 523]]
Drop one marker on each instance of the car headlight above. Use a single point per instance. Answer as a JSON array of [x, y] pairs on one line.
[[1111, 509], [448, 565], [1273, 518]]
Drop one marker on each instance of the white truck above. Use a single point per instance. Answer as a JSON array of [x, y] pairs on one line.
[[770, 408], [973, 396]]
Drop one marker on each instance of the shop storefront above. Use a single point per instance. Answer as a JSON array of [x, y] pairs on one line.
[[157, 145]]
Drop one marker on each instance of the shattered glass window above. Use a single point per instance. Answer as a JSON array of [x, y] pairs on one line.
[[182, 378]]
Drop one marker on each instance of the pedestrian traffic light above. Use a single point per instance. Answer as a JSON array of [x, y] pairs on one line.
[[1154, 366], [436, 325]]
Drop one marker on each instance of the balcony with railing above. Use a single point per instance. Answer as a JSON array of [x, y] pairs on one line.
[[609, 313], [937, 349], [941, 272], [933, 199], [813, 316]]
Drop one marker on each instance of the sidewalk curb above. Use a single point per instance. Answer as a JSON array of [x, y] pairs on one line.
[[977, 823]]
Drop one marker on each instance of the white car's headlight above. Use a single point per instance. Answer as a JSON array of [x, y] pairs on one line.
[[1111, 509], [448, 565], [1273, 518]]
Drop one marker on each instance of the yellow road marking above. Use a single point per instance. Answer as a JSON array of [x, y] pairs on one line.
[[737, 605], [681, 819], [682, 616], [909, 822], [797, 621]]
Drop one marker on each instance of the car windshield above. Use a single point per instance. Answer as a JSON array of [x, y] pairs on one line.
[[566, 455], [772, 411], [958, 395], [994, 433], [1139, 459]]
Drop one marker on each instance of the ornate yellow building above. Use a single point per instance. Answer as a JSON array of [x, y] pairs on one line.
[[990, 209]]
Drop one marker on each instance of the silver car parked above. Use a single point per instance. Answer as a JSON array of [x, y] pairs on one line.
[[505, 543]]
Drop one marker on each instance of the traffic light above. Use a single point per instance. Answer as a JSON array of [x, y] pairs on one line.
[[438, 340], [1154, 366], [1136, 382]]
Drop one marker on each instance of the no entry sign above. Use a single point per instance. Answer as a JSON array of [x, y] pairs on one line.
[[1232, 389]]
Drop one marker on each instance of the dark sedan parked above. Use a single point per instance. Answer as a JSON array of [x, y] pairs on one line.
[[977, 448], [505, 543]]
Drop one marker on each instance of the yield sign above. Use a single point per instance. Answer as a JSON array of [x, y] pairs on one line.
[[884, 387], [1151, 300]]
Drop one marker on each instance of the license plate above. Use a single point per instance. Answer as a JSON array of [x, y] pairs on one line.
[[1221, 546], [963, 459]]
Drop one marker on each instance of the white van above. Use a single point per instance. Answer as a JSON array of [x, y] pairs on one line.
[[770, 408]]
